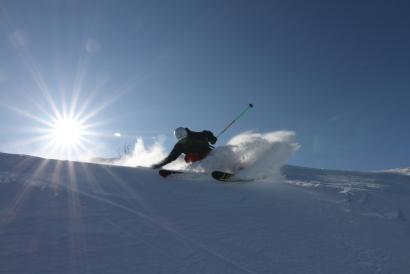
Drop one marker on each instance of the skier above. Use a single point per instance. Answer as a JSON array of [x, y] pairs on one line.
[[195, 146]]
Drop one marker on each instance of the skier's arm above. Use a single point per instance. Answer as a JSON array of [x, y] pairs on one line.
[[173, 155]]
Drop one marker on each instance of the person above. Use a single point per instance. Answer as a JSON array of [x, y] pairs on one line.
[[195, 145]]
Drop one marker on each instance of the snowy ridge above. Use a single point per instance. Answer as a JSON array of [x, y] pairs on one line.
[[403, 171], [70, 217]]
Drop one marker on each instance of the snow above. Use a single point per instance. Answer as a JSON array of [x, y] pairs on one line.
[[403, 171], [72, 217]]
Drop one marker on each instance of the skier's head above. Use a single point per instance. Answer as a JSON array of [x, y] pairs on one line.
[[180, 133]]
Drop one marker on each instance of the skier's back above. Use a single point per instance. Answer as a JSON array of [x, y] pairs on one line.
[[195, 146]]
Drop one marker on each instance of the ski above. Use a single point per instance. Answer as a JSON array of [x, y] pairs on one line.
[[227, 177], [166, 172], [220, 176]]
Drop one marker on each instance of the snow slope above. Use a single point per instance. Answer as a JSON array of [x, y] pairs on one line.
[[68, 217], [403, 171]]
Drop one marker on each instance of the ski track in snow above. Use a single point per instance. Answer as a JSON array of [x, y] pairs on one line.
[[363, 193], [84, 218], [165, 228]]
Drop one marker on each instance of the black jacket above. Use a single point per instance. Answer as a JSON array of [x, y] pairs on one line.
[[196, 142]]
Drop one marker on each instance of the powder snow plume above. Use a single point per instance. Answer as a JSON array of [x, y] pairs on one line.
[[143, 156], [249, 154], [252, 155]]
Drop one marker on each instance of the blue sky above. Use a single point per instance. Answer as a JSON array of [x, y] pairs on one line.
[[335, 72]]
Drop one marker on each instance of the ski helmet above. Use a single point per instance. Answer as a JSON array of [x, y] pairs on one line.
[[180, 133]]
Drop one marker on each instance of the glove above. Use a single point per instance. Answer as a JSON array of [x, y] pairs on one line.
[[211, 137]]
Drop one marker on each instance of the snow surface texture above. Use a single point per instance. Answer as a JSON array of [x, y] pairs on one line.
[[250, 155], [67, 217]]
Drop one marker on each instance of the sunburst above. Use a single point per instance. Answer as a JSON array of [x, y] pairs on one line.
[[61, 135], [67, 133]]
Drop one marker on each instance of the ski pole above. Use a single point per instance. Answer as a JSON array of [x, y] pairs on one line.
[[236, 119]]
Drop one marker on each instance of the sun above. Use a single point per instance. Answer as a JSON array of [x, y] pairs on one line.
[[70, 132], [67, 132]]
